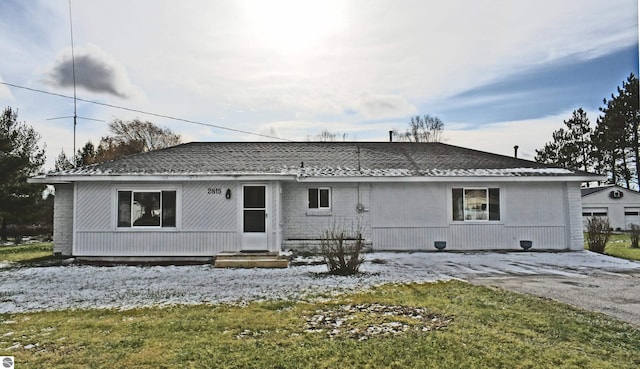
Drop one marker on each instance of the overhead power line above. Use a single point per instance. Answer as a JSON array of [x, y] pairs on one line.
[[144, 112]]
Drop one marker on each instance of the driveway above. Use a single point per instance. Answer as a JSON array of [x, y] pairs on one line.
[[584, 279]]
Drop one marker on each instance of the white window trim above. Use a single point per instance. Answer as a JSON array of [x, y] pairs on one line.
[[476, 221], [152, 188], [319, 208]]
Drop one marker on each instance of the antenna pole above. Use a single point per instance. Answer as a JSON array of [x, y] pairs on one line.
[[73, 71]]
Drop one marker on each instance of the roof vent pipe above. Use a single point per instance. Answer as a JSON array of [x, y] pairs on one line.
[[515, 151], [390, 136]]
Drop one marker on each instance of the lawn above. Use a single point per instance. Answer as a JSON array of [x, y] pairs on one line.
[[26, 252], [619, 245], [440, 325]]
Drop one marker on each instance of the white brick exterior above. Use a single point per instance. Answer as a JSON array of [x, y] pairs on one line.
[[301, 223], [63, 220], [574, 200]]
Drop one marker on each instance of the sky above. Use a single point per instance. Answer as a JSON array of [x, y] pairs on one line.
[[498, 73]]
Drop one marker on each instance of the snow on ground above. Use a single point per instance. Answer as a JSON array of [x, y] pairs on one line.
[[82, 286]]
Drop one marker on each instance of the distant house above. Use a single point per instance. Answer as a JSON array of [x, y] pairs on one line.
[[200, 199], [620, 205]]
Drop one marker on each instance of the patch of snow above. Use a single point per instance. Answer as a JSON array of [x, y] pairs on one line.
[[124, 287]]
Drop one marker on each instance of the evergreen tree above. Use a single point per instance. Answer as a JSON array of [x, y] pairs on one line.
[[617, 134], [20, 158], [571, 147], [62, 162]]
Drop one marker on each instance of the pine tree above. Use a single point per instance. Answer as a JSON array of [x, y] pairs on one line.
[[571, 147], [20, 158]]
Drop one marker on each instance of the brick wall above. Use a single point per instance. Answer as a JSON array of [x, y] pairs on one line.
[[63, 220], [301, 223], [574, 198]]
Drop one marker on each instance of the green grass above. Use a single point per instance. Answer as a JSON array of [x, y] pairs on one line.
[[619, 245], [26, 252], [490, 328]]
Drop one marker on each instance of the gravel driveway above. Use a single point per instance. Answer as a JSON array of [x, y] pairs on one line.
[[581, 278]]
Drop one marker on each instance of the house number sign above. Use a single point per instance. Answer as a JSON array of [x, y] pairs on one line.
[[214, 191]]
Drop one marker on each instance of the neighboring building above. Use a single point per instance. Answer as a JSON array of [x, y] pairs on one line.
[[200, 199], [620, 205]]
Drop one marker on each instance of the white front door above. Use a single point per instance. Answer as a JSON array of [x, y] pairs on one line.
[[254, 217]]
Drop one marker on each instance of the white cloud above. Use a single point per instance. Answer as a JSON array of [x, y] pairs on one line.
[[295, 68]]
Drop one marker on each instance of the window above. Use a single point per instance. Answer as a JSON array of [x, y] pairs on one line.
[[146, 209], [476, 204], [319, 198], [594, 212]]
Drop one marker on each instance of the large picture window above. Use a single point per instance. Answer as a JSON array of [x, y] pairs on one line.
[[146, 209], [476, 204], [319, 198]]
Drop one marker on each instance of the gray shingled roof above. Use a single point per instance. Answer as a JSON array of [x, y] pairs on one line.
[[320, 159]]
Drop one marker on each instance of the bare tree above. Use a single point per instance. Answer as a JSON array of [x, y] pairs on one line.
[[327, 136], [424, 128], [127, 138]]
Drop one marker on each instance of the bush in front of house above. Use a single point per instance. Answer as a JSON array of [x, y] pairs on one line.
[[634, 233], [341, 250], [598, 233]]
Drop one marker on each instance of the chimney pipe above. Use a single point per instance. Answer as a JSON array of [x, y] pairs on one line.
[[390, 136], [515, 151]]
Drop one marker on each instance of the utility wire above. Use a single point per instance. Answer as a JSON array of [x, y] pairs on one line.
[[146, 112]]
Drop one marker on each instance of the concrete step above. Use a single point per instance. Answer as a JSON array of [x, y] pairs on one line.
[[250, 260]]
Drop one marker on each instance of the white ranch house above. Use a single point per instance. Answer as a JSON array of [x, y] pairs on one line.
[[201, 199]]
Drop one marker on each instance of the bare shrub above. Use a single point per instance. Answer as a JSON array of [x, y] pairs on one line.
[[635, 236], [341, 250], [598, 233]]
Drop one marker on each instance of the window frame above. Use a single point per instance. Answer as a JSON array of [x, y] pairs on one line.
[[490, 211], [161, 215], [319, 199]]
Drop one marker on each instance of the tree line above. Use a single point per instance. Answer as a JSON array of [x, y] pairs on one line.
[[612, 147]]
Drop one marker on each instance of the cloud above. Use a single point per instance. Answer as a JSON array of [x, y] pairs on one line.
[[381, 106], [95, 70]]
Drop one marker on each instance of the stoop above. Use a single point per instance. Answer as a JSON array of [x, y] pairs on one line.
[[250, 260]]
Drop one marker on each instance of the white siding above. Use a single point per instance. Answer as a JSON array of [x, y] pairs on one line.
[[615, 207], [95, 202], [207, 223], [155, 243], [202, 211], [413, 216]]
